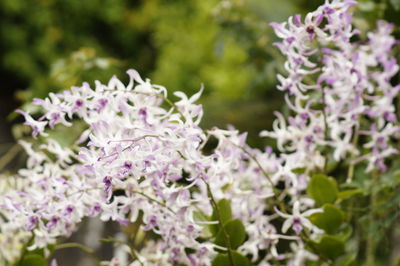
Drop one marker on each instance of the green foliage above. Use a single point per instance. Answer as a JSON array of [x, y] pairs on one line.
[[223, 260], [33, 260], [346, 260], [225, 213], [330, 247], [329, 220], [236, 232], [232, 229], [322, 189], [298, 171], [36, 34], [345, 194], [50, 45], [66, 136], [345, 233]]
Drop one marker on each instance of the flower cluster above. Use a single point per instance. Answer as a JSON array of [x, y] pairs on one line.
[[142, 157], [139, 161], [338, 89]]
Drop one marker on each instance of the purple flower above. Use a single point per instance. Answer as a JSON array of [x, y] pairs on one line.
[[33, 220], [52, 223]]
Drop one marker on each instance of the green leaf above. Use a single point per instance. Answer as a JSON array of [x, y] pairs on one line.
[[299, 171], [225, 213], [199, 216], [345, 233], [33, 260], [349, 193], [223, 259], [329, 220], [67, 136], [322, 189], [236, 232], [330, 247], [346, 260]]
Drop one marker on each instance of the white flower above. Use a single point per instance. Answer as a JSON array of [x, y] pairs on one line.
[[297, 220]]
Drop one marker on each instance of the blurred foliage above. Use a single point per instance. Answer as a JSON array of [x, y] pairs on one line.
[[36, 34], [50, 45]]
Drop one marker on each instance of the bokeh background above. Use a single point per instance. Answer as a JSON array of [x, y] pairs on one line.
[[51, 45]]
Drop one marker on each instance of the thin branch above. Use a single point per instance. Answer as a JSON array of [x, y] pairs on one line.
[[153, 200], [225, 234], [9, 155], [81, 247], [135, 255], [350, 172], [168, 101], [24, 249], [325, 127], [265, 173]]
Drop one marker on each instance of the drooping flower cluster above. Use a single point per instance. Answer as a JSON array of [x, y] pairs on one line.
[[138, 160], [337, 88], [142, 158]]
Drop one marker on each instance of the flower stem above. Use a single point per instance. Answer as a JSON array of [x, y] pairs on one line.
[[326, 135], [10, 154], [153, 200], [134, 253], [168, 101], [24, 249], [225, 234], [350, 172], [80, 246], [370, 249], [273, 187]]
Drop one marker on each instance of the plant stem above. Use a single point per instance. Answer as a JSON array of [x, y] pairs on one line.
[[134, 254], [350, 172], [325, 128], [168, 101], [275, 189], [153, 200], [225, 234], [80, 246], [306, 238], [24, 249], [370, 249], [9, 155]]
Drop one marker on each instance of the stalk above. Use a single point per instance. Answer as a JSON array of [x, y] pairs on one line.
[[225, 234], [370, 249]]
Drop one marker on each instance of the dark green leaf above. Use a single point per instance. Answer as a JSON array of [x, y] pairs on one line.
[[329, 220], [345, 233], [225, 213], [223, 260], [322, 189], [330, 247], [299, 171], [199, 216], [313, 263], [346, 260], [349, 193], [33, 260], [236, 232]]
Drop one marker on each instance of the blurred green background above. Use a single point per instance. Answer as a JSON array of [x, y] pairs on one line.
[[50, 45]]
